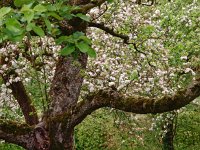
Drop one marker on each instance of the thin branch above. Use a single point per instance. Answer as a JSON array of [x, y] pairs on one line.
[[146, 4], [101, 13], [135, 104], [85, 8], [108, 30]]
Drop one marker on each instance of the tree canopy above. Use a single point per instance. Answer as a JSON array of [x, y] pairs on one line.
[[143, 58]]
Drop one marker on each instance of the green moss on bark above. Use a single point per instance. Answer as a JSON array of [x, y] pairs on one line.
[[14, 127]]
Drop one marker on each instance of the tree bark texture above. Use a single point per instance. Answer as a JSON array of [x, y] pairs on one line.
[[64, 92]]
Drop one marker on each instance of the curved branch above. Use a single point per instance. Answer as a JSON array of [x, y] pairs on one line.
[[136, 104]]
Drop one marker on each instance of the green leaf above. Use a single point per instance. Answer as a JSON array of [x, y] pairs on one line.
[[38, 31], [3, 37], [4, 11], [83, 17], [75, 8], [67, 50], [67, 16], [65, 8], [11, 36], [50, 7], [17, 38], [65, 39], [134, 75], [14, 26], [25, 8], [61, 39], [86, 39], [19, 3], [82, 46], [30, 26], [40, 8], [65, 11], [91, 52], [81, 36], [48, 24], [55, 15], [29, 15], [110, 1], [55, 32], [77, 34]]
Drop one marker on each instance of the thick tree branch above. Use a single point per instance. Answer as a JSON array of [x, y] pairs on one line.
[[29, 137], [20, 94], [16, 133], [136, 104]]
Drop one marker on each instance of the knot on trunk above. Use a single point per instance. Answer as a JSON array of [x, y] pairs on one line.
[[41, 137]]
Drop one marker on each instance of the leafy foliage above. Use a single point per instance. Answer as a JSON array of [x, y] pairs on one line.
[[41, 18]]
